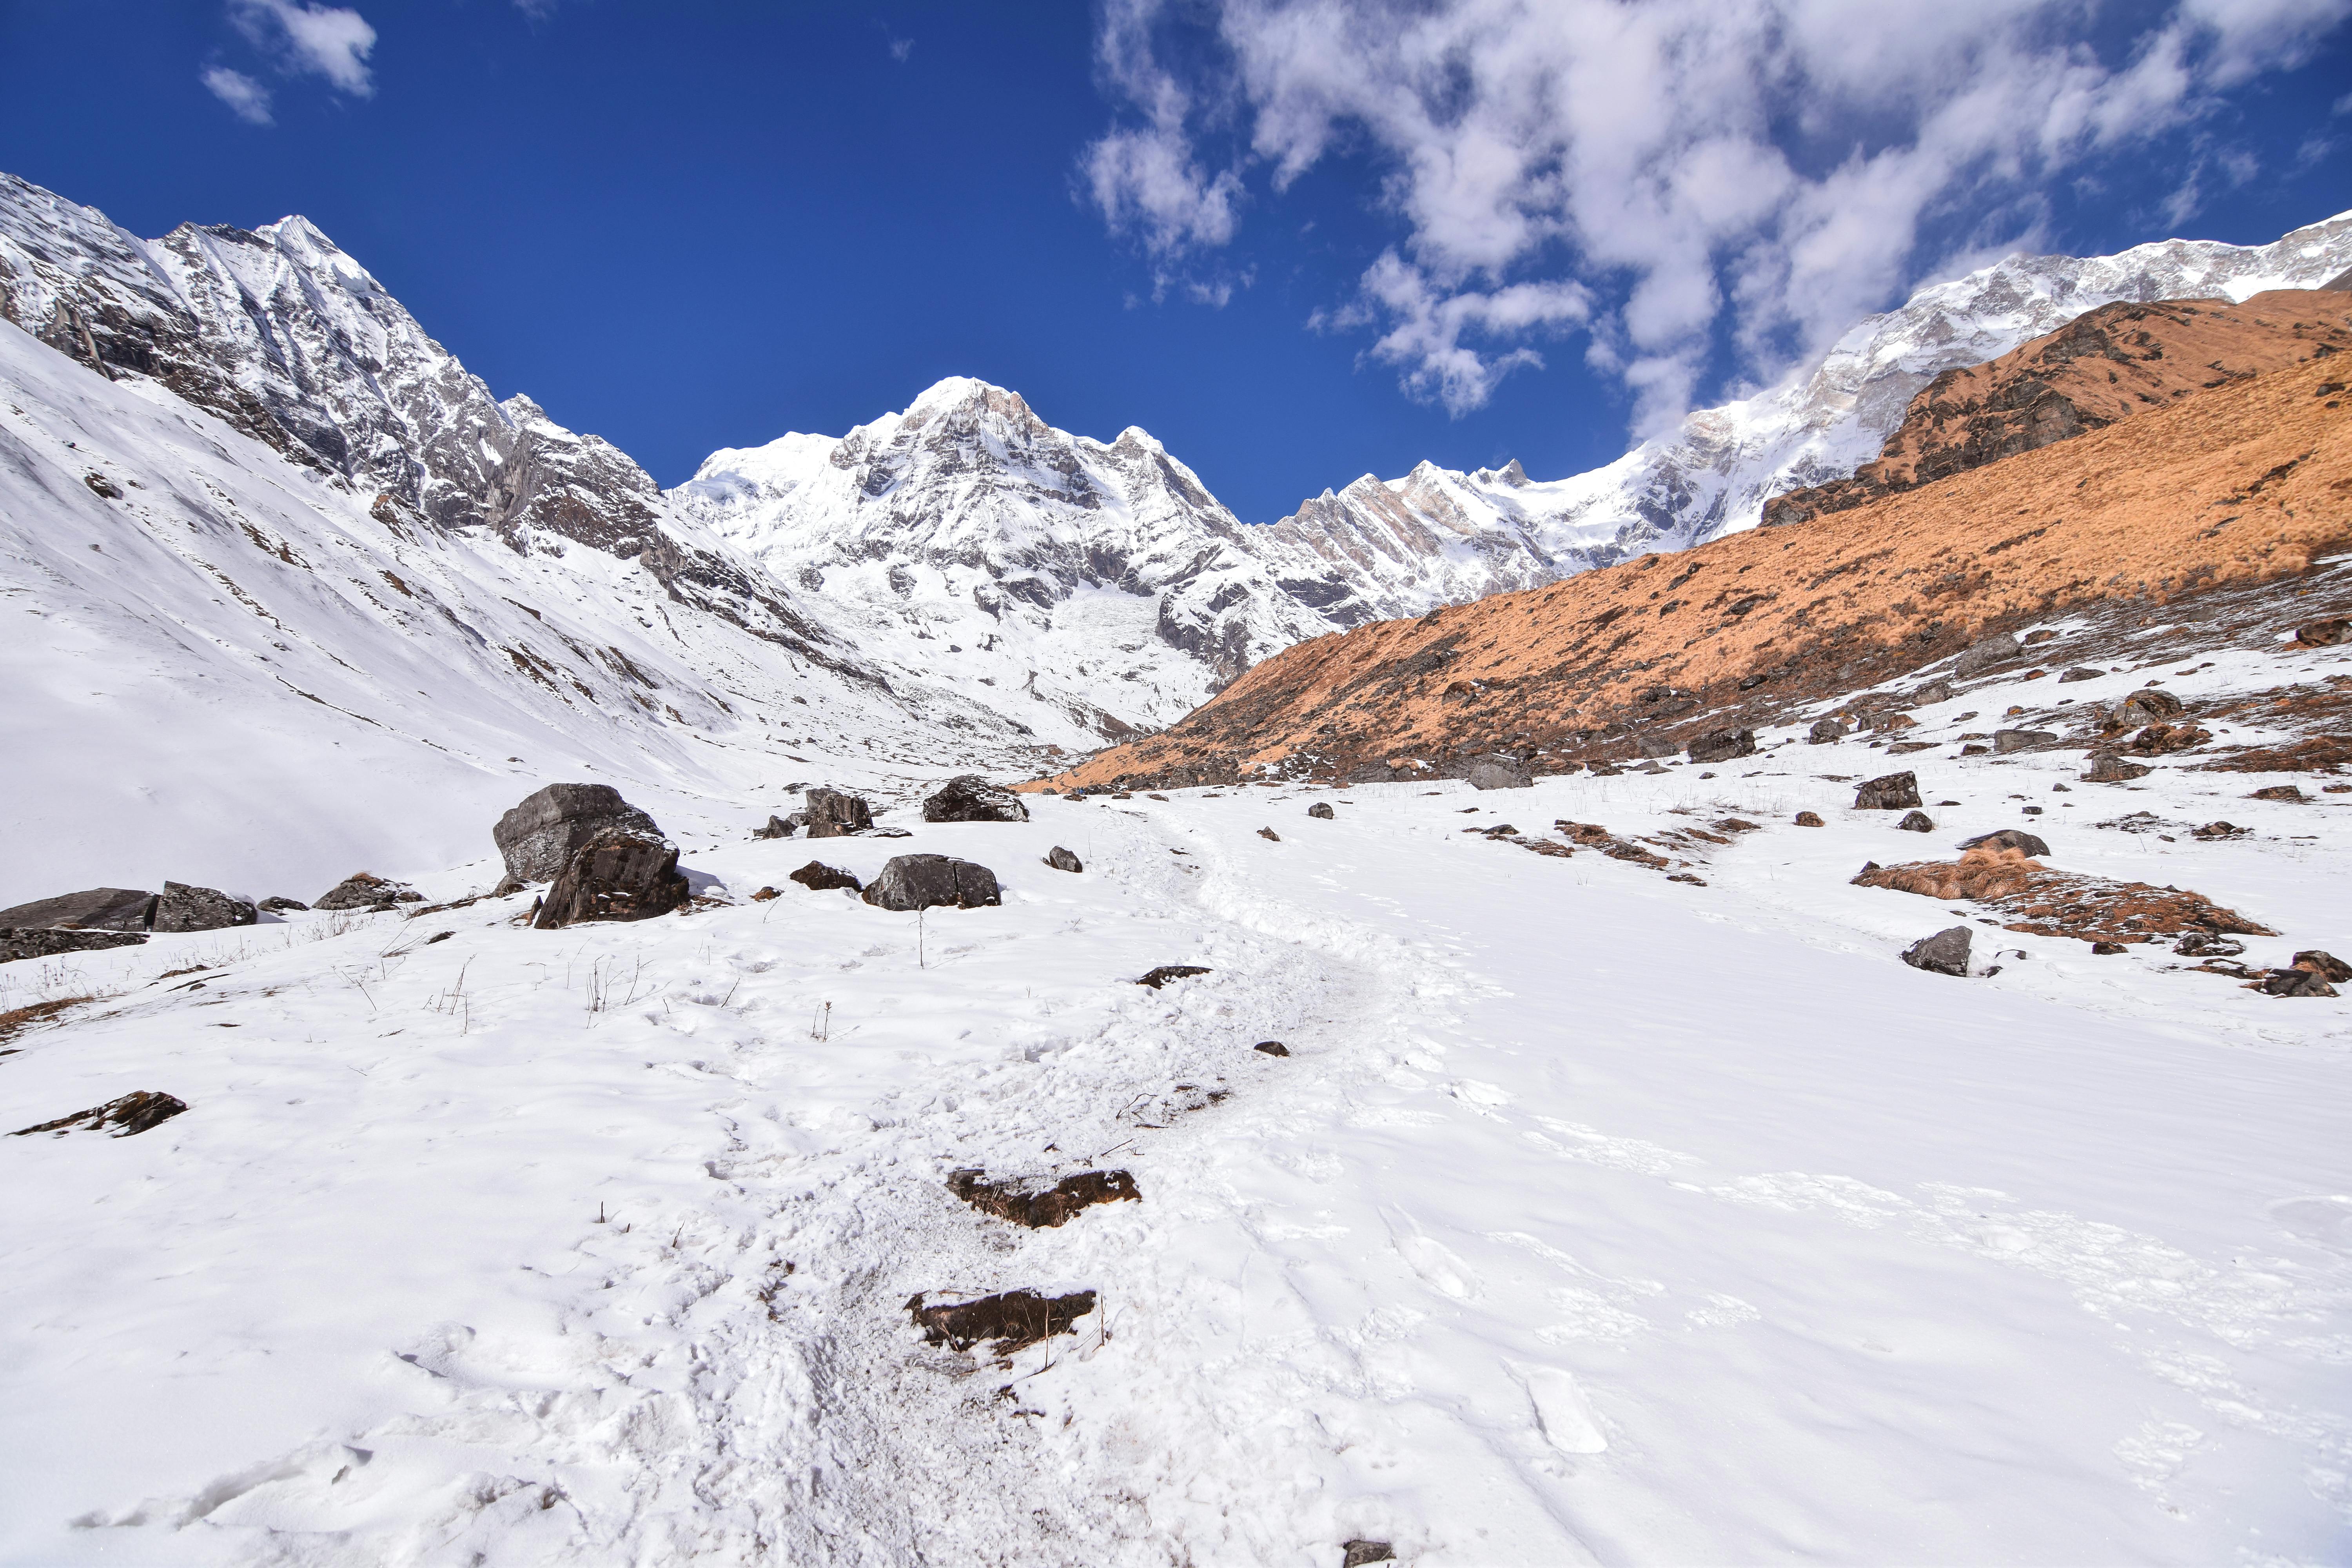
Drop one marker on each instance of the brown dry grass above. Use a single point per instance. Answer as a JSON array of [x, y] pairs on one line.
[[2244, 482]]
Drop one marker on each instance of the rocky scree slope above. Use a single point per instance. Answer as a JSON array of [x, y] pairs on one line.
[[2247, 482]]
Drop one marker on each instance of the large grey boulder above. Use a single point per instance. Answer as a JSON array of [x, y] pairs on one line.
[[1722, 745], [1946, 953], [972, 798], [1893, 792], [928, 882], [1494, 774], [96, 908], [1824, 732], [184, 908], [1998, 648], [834, 813], [1063, 859], [623, 878], [540, 837], [2007, 741]]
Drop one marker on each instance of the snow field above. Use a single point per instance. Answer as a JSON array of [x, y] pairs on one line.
[[1594, 1218]]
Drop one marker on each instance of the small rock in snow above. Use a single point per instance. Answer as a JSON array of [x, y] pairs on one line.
[[2297, 983], [1269, 833], [1916, 822], [1272, 1048], [1498, 773], [1168, 972], [2324, 965], [1321, 809], [181, 907], [1015, 1319], [818, 877], [1062, 859], [1357, 1553], [1810, 819], [2010, 838], [1722, 745], [125, 1117], [1946, 953], [834, 814]]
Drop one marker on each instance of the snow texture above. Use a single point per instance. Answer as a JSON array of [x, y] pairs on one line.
[[1592, 1217]]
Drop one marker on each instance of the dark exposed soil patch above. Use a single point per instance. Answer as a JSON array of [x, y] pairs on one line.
[[1016, 1201], [19, 1018], [1014, 1320]]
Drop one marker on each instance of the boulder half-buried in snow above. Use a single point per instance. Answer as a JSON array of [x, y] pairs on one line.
[[539, 836], [2009, 839], [17, 941], [972, 798], [1493, 774], [366, 891], [124, 1118], [820, 878], [1894, 792], [181, 907], [834, 814], [625, 877], [1722, 745], [931, 881], [1946, 953], [1062, 859]]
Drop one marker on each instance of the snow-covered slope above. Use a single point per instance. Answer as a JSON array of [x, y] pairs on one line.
[[228, 669], [1091, 587]]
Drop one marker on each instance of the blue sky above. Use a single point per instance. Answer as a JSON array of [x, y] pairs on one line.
[[1296, 241]]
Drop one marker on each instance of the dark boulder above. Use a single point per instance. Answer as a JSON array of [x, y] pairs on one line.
[[124, 1118], [625, 877], [2109, 768], [1360, 1553], [1916, 822], [972, 798], [1013, 1319], [2327, 966], [1823, 731], [2297, 983], [1937, 691], [1062, 859], [778, 827], [834, 813], [1497, 773], [365, 890], [98, 909], [2009, 839], [2323, 634], [1894, 792], [818, 877], [1321, 809], [933, 882], [2287, 794], [1946, 953], [1272, 1048], [1722, 745], [2079, 672], [2206, 945], [2007, 741], [1269, 833], [180, 907], [1810, 819], [19, 942], [540, 837], [1168, 972], [277, 904], [1984, 654]]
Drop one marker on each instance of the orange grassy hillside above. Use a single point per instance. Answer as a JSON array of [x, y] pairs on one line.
[[2240, 482]]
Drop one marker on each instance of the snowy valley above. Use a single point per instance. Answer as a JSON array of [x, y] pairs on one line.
[[1609, 1166]]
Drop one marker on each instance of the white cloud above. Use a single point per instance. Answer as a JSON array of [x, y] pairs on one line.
[[328, 41], [246, 99], [1671, 173], [538, 10], [902, 49]]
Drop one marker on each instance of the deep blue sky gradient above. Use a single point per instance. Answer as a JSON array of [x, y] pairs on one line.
[[687, 226]]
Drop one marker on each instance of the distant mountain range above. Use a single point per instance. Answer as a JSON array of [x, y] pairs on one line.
[[963, 566]]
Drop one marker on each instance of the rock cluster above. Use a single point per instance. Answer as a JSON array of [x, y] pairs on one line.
[[972, 798]]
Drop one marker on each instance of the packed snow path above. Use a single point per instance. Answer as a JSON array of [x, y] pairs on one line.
[[1592, 1217]]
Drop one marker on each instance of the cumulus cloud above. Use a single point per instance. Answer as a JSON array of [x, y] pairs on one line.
[[323, 41], [246, 99], [1666, 174]]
